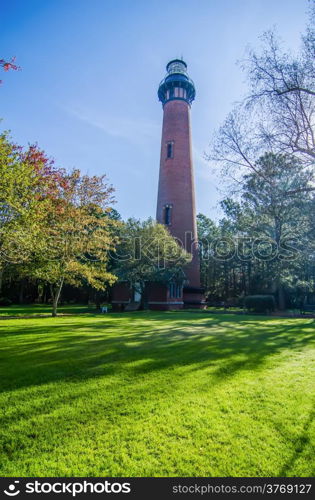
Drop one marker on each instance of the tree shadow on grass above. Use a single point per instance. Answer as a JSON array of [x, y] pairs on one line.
[[301, 443], [120, 351], [138, 344]]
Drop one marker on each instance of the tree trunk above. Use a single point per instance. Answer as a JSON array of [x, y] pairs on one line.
[[144, 298], [243, 285], [234, 281], [55, 296], [281, 298], [226, 282], [21, 292], [1, 278], [40, 293], [47, 294], [249, 277], [97, 299], [280, 289]]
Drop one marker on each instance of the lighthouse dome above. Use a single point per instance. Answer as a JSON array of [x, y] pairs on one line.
[[176, 84]]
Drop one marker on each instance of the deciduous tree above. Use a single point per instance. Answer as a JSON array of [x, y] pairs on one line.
[[147, 252], [278, 112], [78, 233]]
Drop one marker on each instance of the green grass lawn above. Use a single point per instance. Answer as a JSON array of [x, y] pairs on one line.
[[157, 394]]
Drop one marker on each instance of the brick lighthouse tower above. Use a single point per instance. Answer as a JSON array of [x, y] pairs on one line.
[[176, 197], [176, 193]]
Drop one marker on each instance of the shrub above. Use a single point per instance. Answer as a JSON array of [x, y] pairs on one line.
[[233, 302], [260, 303], [4, 301]]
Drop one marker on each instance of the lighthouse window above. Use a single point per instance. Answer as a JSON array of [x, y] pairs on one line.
[[167, 215], [170, 150]]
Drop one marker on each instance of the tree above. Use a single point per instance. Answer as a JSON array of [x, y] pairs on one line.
[[56, 227], [225, 268], [20, 208], [148, 253], [78, 234], [278, 112], [7, 65], [208, 234], [265, 242], [281, 215]]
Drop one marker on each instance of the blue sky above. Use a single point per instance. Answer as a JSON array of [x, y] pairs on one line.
[[87, 92]]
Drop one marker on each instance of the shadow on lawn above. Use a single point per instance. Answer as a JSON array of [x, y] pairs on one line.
[[139, 344], [39, 310], [301, 444]]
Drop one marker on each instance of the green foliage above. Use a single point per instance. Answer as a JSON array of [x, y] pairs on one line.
[[78, 234], [266, 147], [19, 204], [147, 252], [260, 303], [269, 230], [55, 227]]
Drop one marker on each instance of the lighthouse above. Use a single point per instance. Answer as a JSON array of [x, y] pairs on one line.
[[176, 191], [176, 198]]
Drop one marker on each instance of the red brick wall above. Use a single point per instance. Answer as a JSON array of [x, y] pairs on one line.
[[157, 292], [121, 292], [176, 181], [158, 298]]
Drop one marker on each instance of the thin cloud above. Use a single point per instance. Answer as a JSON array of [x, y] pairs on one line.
[[203, 168], [137, 131]]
